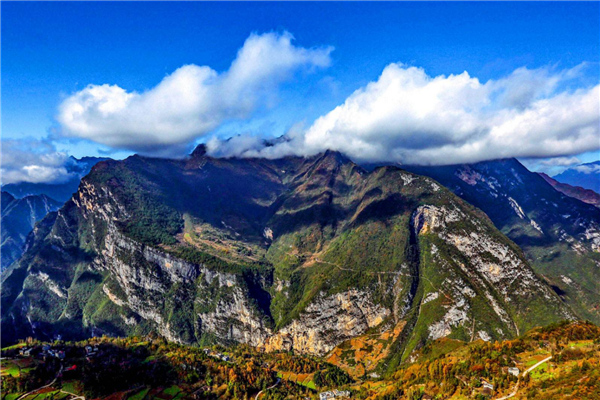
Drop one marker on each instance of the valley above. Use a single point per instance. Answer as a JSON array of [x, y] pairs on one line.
[[556, 362]]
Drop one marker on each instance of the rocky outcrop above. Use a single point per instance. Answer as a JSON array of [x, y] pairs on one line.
[[327, 322], [294, 255]]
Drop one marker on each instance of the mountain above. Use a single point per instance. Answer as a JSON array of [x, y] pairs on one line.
[[560, 235], [577, 192], [18, 217], [584, 175], [293, 254], [77, 168]]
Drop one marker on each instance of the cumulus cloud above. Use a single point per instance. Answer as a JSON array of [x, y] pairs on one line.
[[560, 161], [588, 169], [191, 102], [410, 117], [34, 161]]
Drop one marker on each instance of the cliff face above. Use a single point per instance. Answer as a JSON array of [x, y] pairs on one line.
[[559, 235], [328, 321], [293, 254]]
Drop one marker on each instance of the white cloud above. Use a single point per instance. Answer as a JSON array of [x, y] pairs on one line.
[[409, 117], [189, 103], [560, 161], [588, 169], [32, 161]]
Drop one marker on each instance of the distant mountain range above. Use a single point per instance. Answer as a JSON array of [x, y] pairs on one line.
[[585, 175], [23, 204], [577, 192], [303, 254], [76, 167], [18, 217]]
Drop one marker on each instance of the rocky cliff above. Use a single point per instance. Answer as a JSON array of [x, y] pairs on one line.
[[560, 235], [292, 254]]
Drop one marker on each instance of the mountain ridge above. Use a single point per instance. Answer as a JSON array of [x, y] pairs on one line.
[[560, 235], [18, 217], [577, 192], [268, 252], [585, 175]]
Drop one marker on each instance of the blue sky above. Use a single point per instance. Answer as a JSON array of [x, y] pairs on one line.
[[53, 50]]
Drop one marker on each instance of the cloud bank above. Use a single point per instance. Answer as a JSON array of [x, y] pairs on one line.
[[587, 168], [32, 161], [191, 102], [410, 117]]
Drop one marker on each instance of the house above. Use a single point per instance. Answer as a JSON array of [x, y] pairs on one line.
[[513, 371], [333, 394], [341, 393], [488, 388], [25, 351], [326, 396], [91, 352], [60, 354]]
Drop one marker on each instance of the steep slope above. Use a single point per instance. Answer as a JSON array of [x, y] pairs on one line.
[[77, 168], [584, 175], [577, 192], [560, 235], [18, 216], [294, 254]]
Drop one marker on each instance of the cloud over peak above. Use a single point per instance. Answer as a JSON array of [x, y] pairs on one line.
[[191, 102], [410, 117], [35, 161]]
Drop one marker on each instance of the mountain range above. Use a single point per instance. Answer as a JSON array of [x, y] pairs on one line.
[[305, 254], [23, 204], [577, 192], [583, 175], [18, 217], [61, 191]]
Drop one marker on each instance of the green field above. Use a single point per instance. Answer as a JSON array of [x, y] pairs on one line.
[[10, 368], [139, 395], [71, 387], [172, 391]]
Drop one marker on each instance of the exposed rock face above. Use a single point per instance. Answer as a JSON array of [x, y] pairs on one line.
[[557, 232], [484, 275], [329, 321], [294, 254]]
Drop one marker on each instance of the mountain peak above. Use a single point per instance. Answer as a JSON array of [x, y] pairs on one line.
[[199, 151]]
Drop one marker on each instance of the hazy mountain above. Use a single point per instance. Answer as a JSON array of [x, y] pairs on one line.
[[62, 192], [18, 217], [560, 235], [584, 175], [577, 192], [292, 254]]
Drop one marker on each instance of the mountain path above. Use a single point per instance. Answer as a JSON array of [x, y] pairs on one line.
[[516, 389], [43, 387], [264, 390]]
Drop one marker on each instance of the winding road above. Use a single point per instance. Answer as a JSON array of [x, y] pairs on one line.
[[516, 389], [43, 387], [264, 390]]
